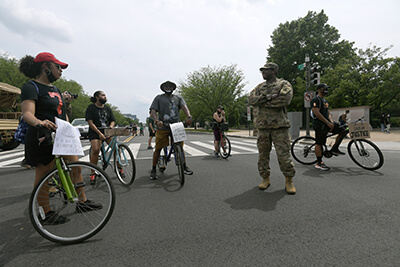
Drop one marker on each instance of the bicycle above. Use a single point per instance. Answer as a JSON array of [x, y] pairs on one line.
[[224, 149], [58, 191], [165, 157], [363, 152], [124, 161]]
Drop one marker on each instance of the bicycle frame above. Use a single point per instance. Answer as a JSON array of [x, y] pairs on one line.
[[169, 153], [65, 179], [107, 152]]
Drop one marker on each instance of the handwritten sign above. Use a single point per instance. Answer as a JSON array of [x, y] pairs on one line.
[[67, 141], [359, 130], [178, 132]]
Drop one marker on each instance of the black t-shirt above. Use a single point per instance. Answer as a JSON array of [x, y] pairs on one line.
[[49, 102], [101, 117], [323, 105]]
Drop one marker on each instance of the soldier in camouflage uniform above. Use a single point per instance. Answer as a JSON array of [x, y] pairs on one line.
[[270, 99]]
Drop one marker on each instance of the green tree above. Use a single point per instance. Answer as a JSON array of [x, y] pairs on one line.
[[368, 79], [209, 87], [80, 104], [312, 35]]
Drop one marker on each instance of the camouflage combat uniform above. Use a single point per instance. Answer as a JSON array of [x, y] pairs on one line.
[[270, 100]]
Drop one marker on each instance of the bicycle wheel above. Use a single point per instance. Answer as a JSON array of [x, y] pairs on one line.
[[178, 154], [79, 226], [303, 150], [162, 160], [124, 166], [224, 147], [365, 154]]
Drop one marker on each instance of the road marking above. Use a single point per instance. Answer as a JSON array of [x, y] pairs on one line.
[[193, 151], [135, 149], [198, 143], [247, 144], [2, 158], [13, 158]]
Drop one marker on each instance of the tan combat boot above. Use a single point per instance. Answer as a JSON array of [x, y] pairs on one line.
[[289, 187], [264, 184]]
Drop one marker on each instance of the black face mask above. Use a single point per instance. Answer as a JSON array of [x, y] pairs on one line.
[[50, 75], [219, 112], [103, 101]]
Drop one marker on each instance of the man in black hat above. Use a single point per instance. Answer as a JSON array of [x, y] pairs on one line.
[[322, 124], [165, 109]]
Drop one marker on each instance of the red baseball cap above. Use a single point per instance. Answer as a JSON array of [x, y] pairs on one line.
[[49, 57]]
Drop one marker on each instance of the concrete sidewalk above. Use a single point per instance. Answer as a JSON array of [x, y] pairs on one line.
[[383, 140]]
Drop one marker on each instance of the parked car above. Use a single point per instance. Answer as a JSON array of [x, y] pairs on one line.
[[82, 125]]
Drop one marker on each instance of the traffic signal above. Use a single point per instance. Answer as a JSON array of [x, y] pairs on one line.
[[315, 76]]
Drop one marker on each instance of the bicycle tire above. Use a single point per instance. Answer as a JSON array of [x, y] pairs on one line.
[[127, 163], [302, 150], [178, 154], [80, 225], [365, 154], [224, 143], [162, 160]]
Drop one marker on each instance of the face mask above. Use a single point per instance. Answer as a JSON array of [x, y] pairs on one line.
[[50, 75], [103, 101]]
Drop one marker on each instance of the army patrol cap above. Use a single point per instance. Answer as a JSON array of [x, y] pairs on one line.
[[270, 65]]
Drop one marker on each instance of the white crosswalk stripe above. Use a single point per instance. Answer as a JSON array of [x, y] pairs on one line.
[[192, 149]]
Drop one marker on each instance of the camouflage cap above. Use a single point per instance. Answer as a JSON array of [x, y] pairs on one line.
[[270, 65]]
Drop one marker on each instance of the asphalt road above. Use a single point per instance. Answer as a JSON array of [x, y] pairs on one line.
[[345, 217]]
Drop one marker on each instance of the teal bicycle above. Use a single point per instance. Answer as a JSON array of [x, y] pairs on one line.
[[63, 191], [117, 155]]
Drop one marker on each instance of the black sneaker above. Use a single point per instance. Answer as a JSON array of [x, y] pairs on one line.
[[88, 205], [153, 174], [52, 217], [337, 152], [149, 147], [322, 166], [188, 171], [26, 165]]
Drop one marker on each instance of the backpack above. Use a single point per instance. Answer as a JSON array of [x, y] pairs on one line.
[[20, 133]]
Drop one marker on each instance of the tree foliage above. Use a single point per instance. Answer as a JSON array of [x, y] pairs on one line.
[[311, 35], [10, 74], [209, 87], [368, 79]]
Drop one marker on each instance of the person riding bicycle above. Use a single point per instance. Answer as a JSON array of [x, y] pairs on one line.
[[41, 104], [167, 106], [323, 124], [218, 118], [98, 115]]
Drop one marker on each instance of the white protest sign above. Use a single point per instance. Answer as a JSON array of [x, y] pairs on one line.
[[178, 131], [67, 141]]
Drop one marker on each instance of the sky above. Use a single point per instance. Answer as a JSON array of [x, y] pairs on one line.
[[127, 48]]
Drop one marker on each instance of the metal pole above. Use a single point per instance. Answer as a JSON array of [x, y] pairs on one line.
[[308, 68]]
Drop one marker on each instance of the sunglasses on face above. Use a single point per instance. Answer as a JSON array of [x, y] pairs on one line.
[[57, 66]]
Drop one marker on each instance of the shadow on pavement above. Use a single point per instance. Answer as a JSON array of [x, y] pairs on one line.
[[256, 199]]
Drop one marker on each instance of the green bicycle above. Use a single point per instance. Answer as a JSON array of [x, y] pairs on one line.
[[63, 190]]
